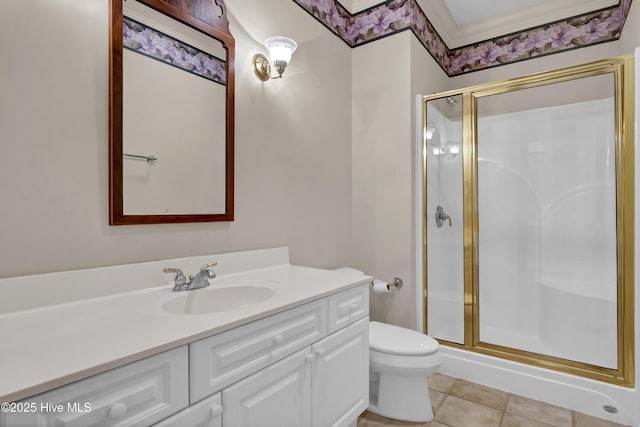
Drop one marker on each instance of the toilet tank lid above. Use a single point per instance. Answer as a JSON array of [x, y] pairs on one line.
[[396, 340]]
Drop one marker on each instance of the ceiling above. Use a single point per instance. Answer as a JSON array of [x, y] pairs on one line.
[[463, 22], [465, 12]]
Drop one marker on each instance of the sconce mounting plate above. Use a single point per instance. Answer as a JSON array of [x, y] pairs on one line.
[[261, 67]]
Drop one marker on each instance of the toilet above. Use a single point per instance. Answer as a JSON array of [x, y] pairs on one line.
[[399, 361]]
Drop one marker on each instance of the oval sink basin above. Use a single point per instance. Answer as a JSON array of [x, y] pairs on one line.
[[215, 300]]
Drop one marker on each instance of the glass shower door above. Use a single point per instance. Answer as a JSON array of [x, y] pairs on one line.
[[547, 220], [529, 219], [444, 224]]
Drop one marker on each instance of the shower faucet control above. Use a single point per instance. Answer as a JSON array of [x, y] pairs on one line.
[[441, 217]]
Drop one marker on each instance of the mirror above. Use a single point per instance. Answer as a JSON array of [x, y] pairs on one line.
[[171, 112]]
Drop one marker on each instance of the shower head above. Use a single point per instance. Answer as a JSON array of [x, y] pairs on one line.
[[452, 102]]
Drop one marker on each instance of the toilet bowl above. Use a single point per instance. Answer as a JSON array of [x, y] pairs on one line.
[[399, 361]]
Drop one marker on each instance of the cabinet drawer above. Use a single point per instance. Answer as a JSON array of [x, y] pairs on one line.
[[348, 306], [207, 413], [222, 359], [138, 394]]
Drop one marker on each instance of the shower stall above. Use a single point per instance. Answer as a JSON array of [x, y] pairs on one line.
[[528, 232]]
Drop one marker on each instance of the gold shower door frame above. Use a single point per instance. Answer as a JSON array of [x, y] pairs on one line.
[[622, 70]]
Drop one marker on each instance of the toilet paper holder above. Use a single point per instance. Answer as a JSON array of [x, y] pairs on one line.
[[395, 283]]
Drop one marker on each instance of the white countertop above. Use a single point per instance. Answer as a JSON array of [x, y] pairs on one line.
[[50, 346]]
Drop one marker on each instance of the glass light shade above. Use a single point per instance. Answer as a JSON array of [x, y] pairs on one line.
[[429, 132], [280, 48]]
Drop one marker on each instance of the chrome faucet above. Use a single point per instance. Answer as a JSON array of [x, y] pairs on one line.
[[198, 281]]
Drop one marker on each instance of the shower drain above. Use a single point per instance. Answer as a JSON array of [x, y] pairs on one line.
[[610, 409]]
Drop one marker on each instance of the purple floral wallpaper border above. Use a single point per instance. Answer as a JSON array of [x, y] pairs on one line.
[[152, 43], [393, 16]]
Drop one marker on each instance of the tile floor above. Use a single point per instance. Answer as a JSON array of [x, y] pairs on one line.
[[460, 403]]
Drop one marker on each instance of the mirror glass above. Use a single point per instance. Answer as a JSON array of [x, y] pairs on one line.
[[172, 136]]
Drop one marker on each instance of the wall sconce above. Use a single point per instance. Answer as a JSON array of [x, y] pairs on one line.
[[280, 51]]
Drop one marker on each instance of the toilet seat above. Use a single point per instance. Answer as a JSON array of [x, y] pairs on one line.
[[392, 339]]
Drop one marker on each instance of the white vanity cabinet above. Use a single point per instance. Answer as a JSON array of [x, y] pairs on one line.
[[325, 385], [225, 358], [137, 394], [305, 366]]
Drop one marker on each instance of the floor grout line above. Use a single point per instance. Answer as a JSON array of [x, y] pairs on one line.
[[572, 419]]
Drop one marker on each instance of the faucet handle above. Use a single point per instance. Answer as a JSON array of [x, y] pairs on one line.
[[205, 268], [211, 264], [441, 217], [180, 279]]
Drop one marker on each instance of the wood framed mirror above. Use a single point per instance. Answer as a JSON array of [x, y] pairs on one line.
[[171, 112]]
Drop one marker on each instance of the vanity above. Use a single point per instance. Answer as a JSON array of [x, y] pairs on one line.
[[266, 344]]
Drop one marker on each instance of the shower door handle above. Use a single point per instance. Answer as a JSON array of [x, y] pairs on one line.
[[441, 217]]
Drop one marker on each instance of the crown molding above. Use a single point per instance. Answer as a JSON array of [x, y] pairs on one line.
[[440, 17], [556, 31], [510, 22], [355, 6]]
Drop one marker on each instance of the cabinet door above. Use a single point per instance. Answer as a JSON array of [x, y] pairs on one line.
[[340, 376], [206, 413], [277, 396]]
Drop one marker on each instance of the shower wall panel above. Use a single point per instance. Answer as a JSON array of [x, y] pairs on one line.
[[547, 229]]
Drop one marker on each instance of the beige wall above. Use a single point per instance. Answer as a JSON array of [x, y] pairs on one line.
[[426, 78], [387, 75], [293, 144]]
